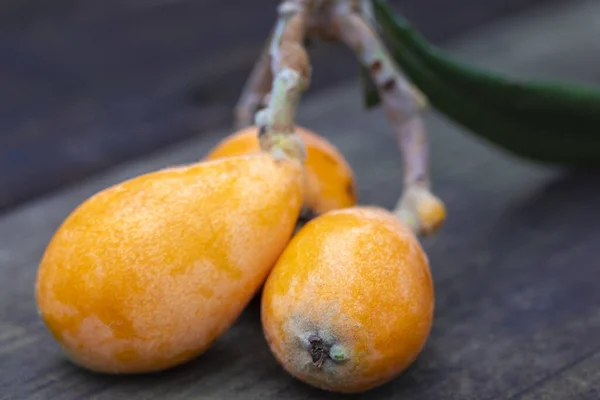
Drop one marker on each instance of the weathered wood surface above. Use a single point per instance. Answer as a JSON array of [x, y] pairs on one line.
[[85, 85], [515, 267]]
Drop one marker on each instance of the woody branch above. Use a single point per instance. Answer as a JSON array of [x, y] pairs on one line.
[[291, 70], [403, 104]]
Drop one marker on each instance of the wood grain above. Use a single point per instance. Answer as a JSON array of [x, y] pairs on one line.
[[515, 267], [579, 380]]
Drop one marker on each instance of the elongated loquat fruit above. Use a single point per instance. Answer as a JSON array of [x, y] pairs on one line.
[[330, 181], [349, 304], [147, 274]]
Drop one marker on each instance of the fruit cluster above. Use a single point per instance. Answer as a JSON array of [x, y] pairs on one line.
[[147, 274]]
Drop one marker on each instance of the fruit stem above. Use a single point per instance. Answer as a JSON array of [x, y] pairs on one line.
[[424, 213], [291, 69]]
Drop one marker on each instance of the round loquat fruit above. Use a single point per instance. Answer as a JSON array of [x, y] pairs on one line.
[[349, 304]]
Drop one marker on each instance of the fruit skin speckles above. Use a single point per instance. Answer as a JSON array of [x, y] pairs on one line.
[[146, 274], [349, 304]]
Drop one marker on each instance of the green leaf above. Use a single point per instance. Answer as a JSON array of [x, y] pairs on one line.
[[556, 124]]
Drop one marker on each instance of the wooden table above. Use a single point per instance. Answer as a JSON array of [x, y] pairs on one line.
[[516, 266]]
